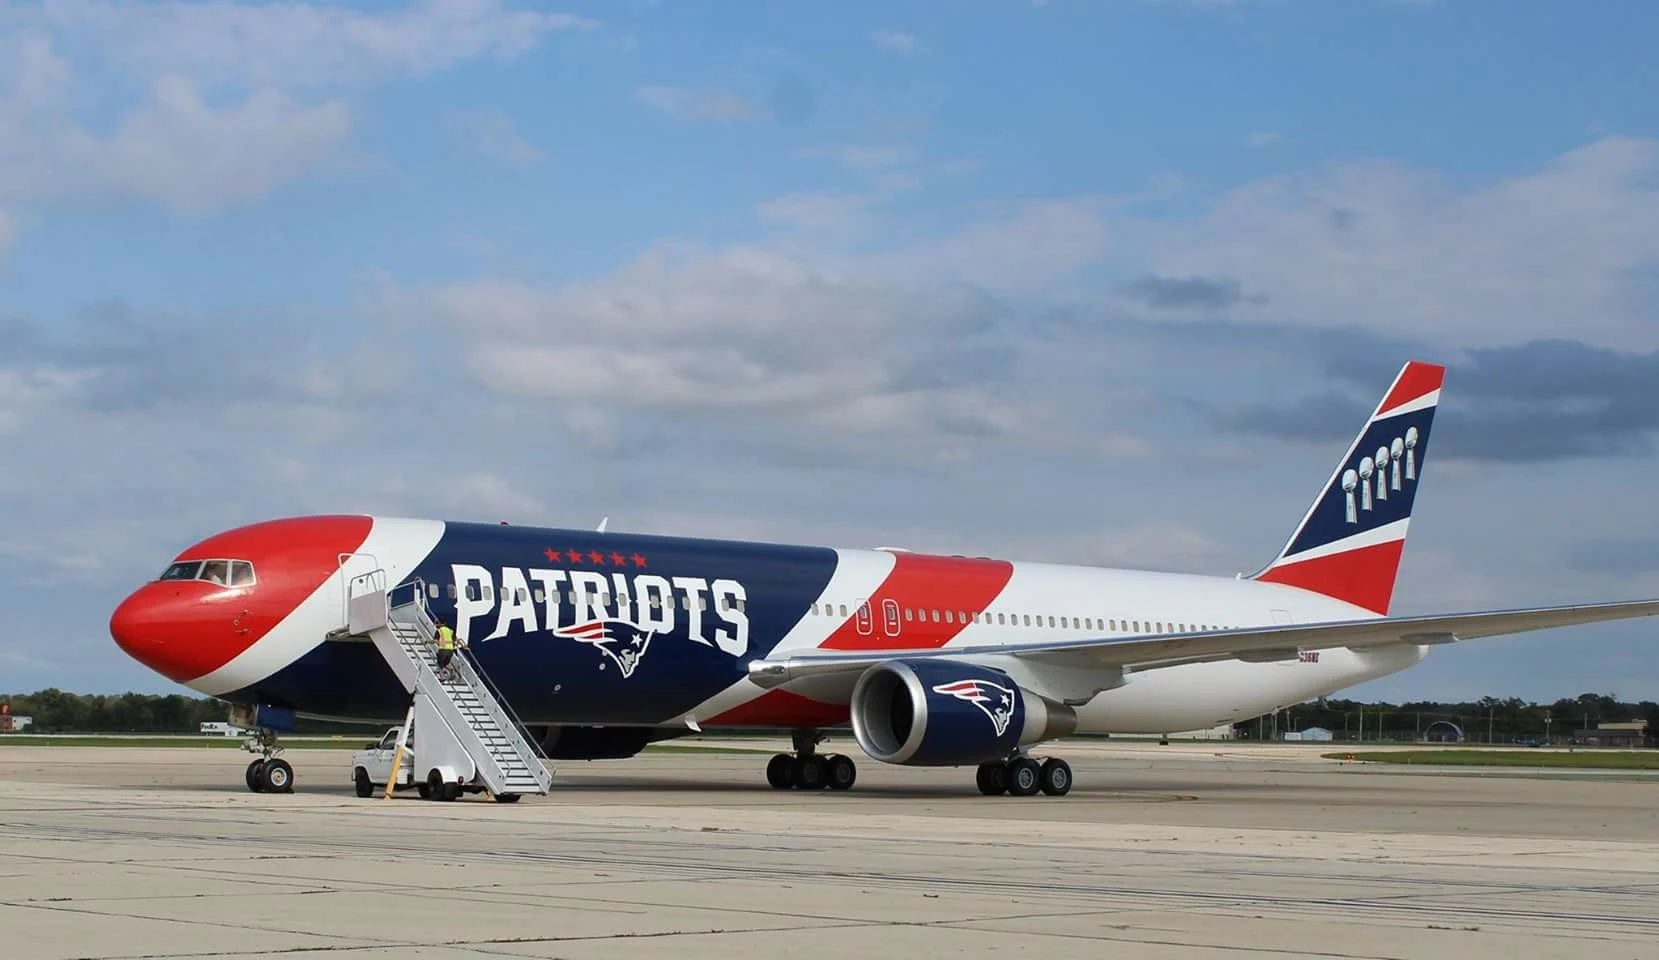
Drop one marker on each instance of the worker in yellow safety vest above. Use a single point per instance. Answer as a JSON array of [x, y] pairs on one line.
[[446, 647]]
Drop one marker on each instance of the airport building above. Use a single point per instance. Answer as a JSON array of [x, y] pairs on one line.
[[1632, 734]]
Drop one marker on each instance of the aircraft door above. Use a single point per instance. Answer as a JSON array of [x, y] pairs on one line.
[[864, 621], [890, 617], [359, 573]]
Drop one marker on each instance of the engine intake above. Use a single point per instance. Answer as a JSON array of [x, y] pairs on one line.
[[949, 713]]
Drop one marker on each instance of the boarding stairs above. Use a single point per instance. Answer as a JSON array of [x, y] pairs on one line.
[[465, 704]]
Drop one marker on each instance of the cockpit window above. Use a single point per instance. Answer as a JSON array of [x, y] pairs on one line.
[[224, 573], [183, 571]]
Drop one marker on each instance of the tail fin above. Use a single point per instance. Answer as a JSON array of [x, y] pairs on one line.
[[1349, 544]]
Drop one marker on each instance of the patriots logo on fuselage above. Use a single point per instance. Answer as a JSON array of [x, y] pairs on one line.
[[622, 642], [993, 699]]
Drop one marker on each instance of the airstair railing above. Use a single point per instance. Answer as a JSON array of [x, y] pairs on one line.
[[470, 669]]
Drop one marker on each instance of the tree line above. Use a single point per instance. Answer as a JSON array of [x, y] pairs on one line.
[[54, 711], [1488, 719]]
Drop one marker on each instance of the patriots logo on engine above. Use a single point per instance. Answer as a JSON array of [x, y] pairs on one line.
[[623, 643], [994, 700]]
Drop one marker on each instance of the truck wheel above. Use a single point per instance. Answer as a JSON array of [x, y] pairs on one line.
[[364, 787], [424, 790], [507, 797]]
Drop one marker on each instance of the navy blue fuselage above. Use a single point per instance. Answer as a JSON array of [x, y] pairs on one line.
[[521, 596]]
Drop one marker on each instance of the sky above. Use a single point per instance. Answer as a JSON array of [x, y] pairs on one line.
[[1105, 282]]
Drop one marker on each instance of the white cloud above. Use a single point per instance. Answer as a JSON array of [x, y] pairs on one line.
[[1555, 252], [184, 154], [1025, 249], [864, 157], [294, 45], [819, 213], [685, 104], [8, 234], [492, 132], [897, 42], [220, 103]]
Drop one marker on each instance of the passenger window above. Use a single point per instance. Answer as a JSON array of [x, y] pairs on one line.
[[540, 596], [451, 591], [908, 614], [241, 573], [216, 571], [432, 590], [935, 616], [1028, 619], [948, 618]]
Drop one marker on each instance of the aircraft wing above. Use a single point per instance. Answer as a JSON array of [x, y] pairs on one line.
[[1254, 644]]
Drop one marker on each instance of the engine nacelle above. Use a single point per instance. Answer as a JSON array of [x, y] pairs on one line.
[[947, 713]]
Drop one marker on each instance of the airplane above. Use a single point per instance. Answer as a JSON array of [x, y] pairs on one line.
[[604, 642]]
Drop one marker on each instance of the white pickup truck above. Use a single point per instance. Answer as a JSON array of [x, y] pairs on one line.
[[371, 767]]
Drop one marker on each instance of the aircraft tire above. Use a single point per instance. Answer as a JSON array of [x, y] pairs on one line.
[[365, 787], [992, 778], [780, 772], [1056, 777], [810, 773], [1025, 778], [277, 777], [256, 771], [840, 772]]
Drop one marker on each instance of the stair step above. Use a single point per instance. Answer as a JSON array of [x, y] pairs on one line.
[[510, 759]]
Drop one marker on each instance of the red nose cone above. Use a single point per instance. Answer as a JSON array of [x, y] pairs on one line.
[[186, 629], [174, 629]]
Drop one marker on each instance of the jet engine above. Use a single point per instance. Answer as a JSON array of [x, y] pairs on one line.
[[949, 713]]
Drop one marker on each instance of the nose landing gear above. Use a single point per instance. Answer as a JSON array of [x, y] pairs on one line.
[[268, 773]]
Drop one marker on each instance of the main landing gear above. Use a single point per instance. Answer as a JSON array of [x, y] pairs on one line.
[[268, 773], [1022, 776], [807, 769]]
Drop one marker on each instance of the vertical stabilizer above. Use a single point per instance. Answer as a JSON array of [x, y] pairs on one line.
[[1348, 546]]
